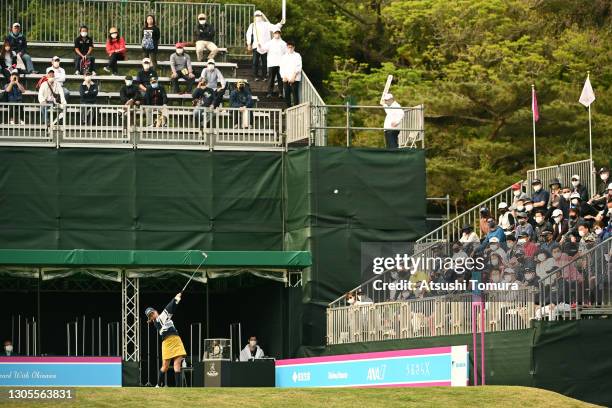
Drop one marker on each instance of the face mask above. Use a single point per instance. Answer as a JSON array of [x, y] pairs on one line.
[[558, 219], [529, 276], [179, 51], [145, 66], [582, 233], [510, 244], [522, 241], [541, 257], [211, 67], [8, 348], [276, 36], [252, 343], [155, 85], [539, 220], [51, 80], [494, 247], [351, 301], [598, 231], [529, 207], [502, 210], [202, 20], [537, 188], [495, 278], [494, 262], [566, 196], [258, 19], [114, 35], [604, 176], [508, 278], [520, 208], [516, 193], [522, 221], [128, 83], [83, 34], [55, 64], [575, 183], [575, 201], [573, 216]]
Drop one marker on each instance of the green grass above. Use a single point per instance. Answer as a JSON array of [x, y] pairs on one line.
[[489, 396]]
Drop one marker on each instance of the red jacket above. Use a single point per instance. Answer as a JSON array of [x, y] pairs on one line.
[[113, 46]]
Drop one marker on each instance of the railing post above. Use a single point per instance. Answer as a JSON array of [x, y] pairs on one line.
[[348, 124]]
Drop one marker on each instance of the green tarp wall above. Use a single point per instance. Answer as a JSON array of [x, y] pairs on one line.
[[326, 200], [573, 358]]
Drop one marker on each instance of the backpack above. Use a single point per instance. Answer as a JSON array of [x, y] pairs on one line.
[[40, 81], [147, 40]]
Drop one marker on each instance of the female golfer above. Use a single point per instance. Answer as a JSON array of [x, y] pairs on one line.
[[172, 346]]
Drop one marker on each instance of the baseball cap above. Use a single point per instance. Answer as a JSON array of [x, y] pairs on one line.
[[201, 15], [146, 59], [557, 213], [388, 96], [16, 25], [502, 205]]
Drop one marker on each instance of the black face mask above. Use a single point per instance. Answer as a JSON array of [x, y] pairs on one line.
[[573, 217]]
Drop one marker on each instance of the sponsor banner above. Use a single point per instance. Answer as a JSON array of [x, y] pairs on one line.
[[60, 371], [438, 366]]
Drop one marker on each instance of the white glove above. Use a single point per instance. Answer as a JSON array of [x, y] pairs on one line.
[[178, 297]]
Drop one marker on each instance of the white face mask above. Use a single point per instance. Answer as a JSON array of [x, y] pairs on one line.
[[539, 220], [495, 278], [55, 64], [604, 176], [566, 196], [522, 241], [128, 82], [508, 278], [257, 19], [146, 65], [50, 81], [202, 20], [351, 301], [582, 233], [537, 188], [598, 231], [179, 51], [520, 208], [516, 193], [114, 35], [558, 219], [8, 348], [211, 67], [575, 201], [529, 207], [494, 262], [575, 183], [276, 36], [252, 343], [529, 276], [494, 247], [83, 34], [541, 257]]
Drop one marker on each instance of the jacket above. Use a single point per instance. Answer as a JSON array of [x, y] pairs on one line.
[[88, 93], [291, 64], [50, 93], [17, 42], [144, 77], [155, 96], [115, 46], [559, 230], [245, 354], [242, 98], [205, 32], [276, 49], [129, 92], [212, 77]]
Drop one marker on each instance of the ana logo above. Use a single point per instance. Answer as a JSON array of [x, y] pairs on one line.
[[377, 373], [300, 376], [211, 371]]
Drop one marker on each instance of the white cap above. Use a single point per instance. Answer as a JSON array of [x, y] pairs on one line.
[[146, 59], [502, 205], [610, 186], [557, 213], [210, 61], [575, 177], [55, 58], [493, 239], [258, 13], [16, 25], [388, 96]]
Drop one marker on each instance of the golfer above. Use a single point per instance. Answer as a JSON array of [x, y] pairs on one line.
[[172, 346]]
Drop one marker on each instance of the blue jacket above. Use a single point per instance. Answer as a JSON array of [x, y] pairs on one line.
[[499, 233]]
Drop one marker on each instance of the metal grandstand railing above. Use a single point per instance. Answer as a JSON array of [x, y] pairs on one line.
[[584, 168], [427, 317], [59, 20], [580, 287], [318, 119]]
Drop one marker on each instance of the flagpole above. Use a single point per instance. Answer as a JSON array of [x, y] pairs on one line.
[[535, 164], [590, 134]]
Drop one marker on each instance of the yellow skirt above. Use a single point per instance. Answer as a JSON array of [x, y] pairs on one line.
[[172, 347]]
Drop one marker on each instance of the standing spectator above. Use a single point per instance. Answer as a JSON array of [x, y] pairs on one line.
[[143, 77], [291, 73], [89, 93], [155, 95], [8, 60], [180, 64], [19, 45], [212, 75], [540, 196], [205, 37], [50, 94], [150, 39], [84, 60], [577, 187], [276, 48], [393, 120], [60, 74], [14, 94], [257, 36], [130, 93], [241, 98], [116, 50]]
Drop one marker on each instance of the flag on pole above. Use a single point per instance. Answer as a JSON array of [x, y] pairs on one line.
[[587, 97], [534, 105]]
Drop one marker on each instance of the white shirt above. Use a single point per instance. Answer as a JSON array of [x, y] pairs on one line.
[[393, 115], [60, 75], [259, 33], [45, 93], [291, 64], [245, 354], [276, 49]]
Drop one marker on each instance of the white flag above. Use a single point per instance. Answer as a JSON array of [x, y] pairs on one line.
[[587, 97]]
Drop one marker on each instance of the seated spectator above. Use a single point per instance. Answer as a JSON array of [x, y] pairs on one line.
[[587, 238], [212, 75], [541, 224], [544, 264], [155, 95], [8, 60], [540, 196], [50, 94], [84, 60], [547, 241], [531, 279], [204, 39], [143, 77], [577, 187], [599, 199], [291, 73], [14, 94], [555, 190], [60, 74], [572, 226], [468, 235], [242, 98], [483, 221], [116, 50], [19, 45], [180, 65], [205, 98], [494, 231], [517, 193], [129, 92], [585, 210], [276, 48], [524, 245], [506, 219], [89, 93], [523, 226], [150, 39]]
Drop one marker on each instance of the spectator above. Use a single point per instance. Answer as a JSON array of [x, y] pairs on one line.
[[544, 264], [8, 349], [540, 196], [506, 219], [587, 238], [14, 94], [523, 226], [555, 190], [257, 36], [50, 94], [547, 241], [116, 50], [291, 73], [577, 187], [130, 93], [205, 98], [180, 65], [393, 119], [19, 45], [531, 279], [89, 92], [155, 94], [495, 250], [494, 232], [84, 61], [525, 245], [468, 235], [150, 39], [484, 221], [517, 193], [599, 199], [585, 210], [560, 226], [143, 77], [212, 75], [276, 49], [541, 224], [205, 37], [242, 99], [8, 60], [60, 74]]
